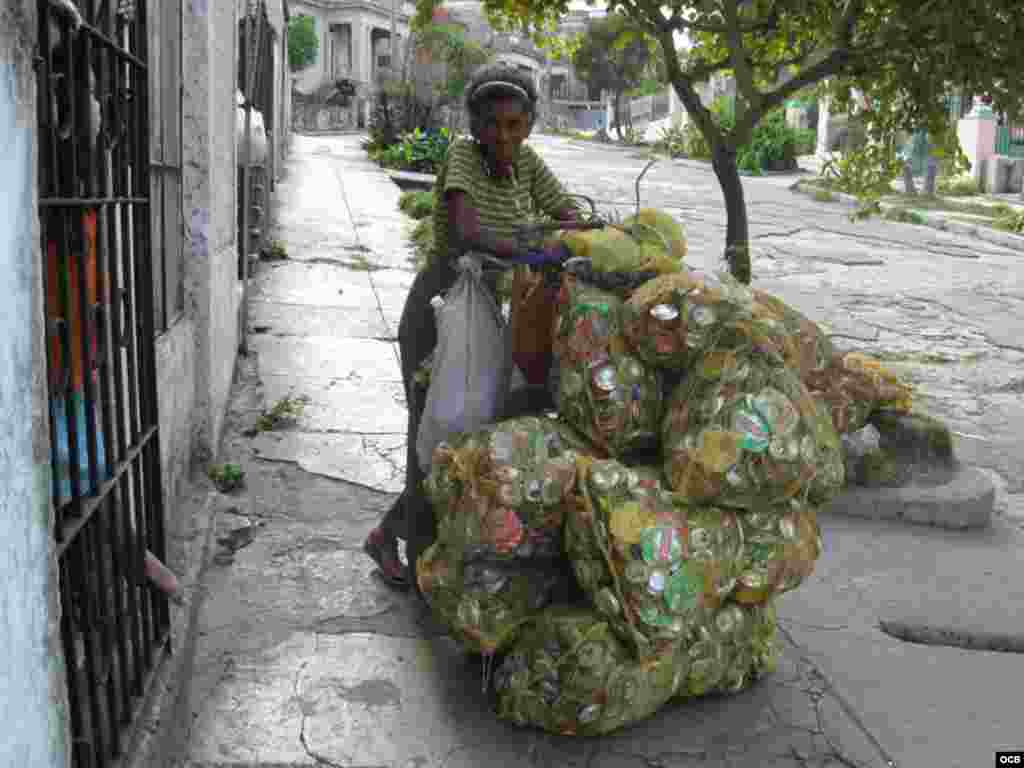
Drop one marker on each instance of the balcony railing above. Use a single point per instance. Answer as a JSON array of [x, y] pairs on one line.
[[1010, 140], [572, 93]]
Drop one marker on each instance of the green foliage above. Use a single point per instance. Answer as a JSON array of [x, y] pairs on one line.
[[284, 412], [823, 196], [227, 477], [614, 55], [672, 140], [1009, 219], [303, 44], [447, 43], [420, 151], [772, 142], [958, 187], [904, 215], [903, 54], [649, 86], [867, 174], [422, 239], [953, 161], [417, 204], [632, 136], [695, 143], [276, 251]]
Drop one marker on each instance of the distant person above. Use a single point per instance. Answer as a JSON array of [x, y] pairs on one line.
[[486, 189]]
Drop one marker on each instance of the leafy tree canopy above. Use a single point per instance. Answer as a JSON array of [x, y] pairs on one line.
[[303, 43], [904, 55], [603, 63]]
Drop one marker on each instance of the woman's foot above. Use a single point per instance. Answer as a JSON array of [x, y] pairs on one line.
[[384, 552]]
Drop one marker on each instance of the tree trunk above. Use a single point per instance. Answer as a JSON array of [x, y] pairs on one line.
[[616, 114], [908, 179], [930, 176], [737, 233]]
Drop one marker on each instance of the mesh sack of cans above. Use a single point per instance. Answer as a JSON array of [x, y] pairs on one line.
[[500, 497], [604, 390], [678, 483], [572, 674], [655, 567], [650, 241], [851, 385]]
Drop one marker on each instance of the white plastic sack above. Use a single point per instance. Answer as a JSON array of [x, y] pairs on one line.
[[258, 143], [472, 366]]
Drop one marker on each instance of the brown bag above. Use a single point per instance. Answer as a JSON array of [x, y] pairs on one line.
[[533, 317]]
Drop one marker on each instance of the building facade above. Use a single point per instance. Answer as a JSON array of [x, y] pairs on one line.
[[120, 329], [355, 48]]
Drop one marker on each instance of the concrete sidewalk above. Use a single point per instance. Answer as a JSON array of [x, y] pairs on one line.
[[304, 659]]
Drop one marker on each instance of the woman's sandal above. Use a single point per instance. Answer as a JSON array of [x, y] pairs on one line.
[[385, 554]]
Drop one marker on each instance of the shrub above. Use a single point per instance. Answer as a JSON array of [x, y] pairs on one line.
[[773, 142], [1009, 219], [904, 215], [422, 238], [963, 186], [420, 151], [303, 43], [672, 140], [867, 174], [417, 204]]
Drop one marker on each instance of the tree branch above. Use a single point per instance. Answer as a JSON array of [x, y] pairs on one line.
[[647, 14], [748, 112], [844, 24], [683, 83], [840, 57], [702, 70], [832, 64]]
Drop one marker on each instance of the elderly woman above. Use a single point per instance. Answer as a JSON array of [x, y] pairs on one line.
[[487, 187]]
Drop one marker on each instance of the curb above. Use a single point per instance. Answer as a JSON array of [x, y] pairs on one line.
[[160, 726], [965, 502], [408, 180], [988, 234], [338, 132]]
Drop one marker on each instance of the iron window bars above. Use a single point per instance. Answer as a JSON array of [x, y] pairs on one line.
[[94, 210]]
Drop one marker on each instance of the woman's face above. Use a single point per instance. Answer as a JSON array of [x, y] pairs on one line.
[[504, 127]]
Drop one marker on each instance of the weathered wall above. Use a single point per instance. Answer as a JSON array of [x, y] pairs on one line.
[[213, 290], [175, 386], [32, 694]]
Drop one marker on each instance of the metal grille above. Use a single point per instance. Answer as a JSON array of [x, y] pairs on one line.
[[99, 280], [255, 81], [165, 112]]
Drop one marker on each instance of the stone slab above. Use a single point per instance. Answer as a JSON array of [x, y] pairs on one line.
[[966, 501], [314, 284], [337, 405], [366, 700], [362, 361], [374, 461], [278, 319], [908, 694], [392, 287]]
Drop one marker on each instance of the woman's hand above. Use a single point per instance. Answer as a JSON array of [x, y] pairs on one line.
[[568, 214], [555, 252]]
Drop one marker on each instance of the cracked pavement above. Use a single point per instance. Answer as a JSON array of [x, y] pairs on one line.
[[305, 659]]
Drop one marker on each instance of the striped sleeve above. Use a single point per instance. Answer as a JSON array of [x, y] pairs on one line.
[[462, 168], [548, 193]]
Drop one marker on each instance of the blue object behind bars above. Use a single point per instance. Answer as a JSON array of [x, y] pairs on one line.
[[62, 468]]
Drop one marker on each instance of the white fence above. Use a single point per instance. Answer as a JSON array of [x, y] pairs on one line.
[[651, 108]]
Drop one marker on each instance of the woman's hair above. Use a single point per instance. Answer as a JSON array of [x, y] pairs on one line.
[[494, 81]]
